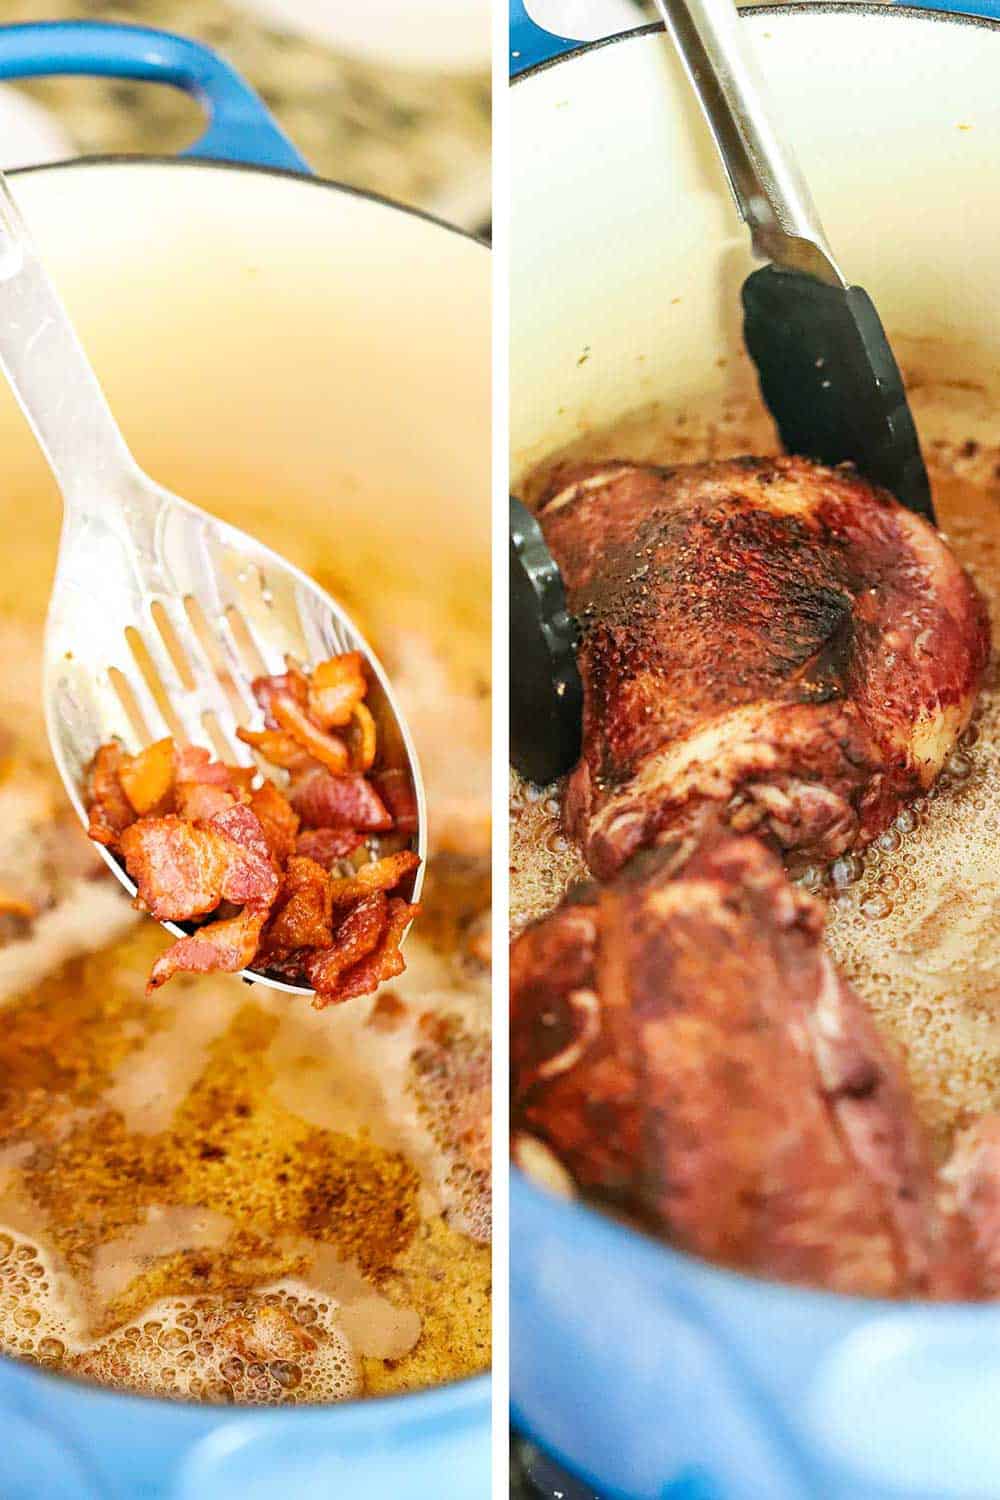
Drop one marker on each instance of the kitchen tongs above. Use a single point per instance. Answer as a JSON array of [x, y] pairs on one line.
[[827, 373], [826, 370]]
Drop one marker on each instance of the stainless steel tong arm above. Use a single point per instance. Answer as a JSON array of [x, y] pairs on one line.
[[770, 191]]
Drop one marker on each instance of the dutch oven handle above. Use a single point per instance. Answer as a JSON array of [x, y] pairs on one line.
[[240, 129], [530, 44], [988, 8]]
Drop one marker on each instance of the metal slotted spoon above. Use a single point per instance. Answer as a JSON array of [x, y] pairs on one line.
[[160, 615]]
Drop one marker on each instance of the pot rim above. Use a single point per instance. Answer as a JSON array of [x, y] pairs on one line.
[[463, 1396], [459, 1398], [206, 163], [802, 8]]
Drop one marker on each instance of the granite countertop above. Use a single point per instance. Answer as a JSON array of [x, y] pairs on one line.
[[420, 138]]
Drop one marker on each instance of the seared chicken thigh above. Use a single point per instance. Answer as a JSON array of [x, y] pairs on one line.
[[685, 1047], [768, 640]]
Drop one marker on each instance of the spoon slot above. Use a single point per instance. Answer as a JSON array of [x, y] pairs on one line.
[[224, 749], [130, 705], [217, 658], [244, 644], [172, 645], [154, 683]]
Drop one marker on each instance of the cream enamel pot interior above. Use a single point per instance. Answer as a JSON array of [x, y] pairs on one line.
[[274, 347], [653, 1375]]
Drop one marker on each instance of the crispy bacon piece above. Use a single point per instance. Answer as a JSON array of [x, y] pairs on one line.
[[327, 846], [365, 951], [384, 962], [185, 869], [147, 779], [219, 947], [110, 810], [336, 687], [303, 917], [205, 787], [277, 747], [195, 763], [291, 684], [278, 819], [328, 749], [359, 934], [365, 742], [325, 801], [253, 876], [382, 875], [179, 869], [395, 788], [199, 802]]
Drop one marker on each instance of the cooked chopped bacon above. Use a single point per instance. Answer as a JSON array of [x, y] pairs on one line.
[[325, 801], [328, 749], [359, 934], [219, 947], [365, 951], [185, 869], [205, 787], [147, 779], [328, 846], [291, 684], [383, 875], [385, 962], [365, 742], [278, 819], [110, 810], [252, 875], [178, 868], [195, 763], [336, 687], [302, 918], [396, 790], [197, 837], [198, 802], [277, 747]]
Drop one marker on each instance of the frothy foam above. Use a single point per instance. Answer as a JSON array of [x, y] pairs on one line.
[[184, 1347], [916, 926], [368, 1065]]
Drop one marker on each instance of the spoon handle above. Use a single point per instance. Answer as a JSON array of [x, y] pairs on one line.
[[51, 375], [770, 191]]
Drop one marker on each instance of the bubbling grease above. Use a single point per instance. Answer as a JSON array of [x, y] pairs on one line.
[[179, 1347], [914, 921], [352, 1202]]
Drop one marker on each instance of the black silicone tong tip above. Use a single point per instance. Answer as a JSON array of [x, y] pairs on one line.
[[831, 382], [546, 695]]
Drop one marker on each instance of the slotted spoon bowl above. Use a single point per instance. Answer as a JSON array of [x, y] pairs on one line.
[[161, 615]]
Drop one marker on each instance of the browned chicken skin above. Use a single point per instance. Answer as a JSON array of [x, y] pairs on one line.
[[765, 638], [683, 1044]]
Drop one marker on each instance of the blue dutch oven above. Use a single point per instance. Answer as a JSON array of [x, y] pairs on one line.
[[651, 1375], [247, 321]]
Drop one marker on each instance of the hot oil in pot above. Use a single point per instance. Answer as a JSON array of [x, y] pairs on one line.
[[914, 922]]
